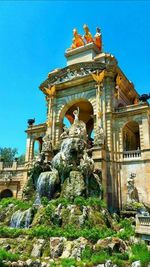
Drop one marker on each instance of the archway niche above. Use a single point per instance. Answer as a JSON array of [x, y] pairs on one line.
[[6, 193], [131, 136], [85, 115]]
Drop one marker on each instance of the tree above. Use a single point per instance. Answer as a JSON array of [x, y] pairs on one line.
[[8, 154], [21, 159]]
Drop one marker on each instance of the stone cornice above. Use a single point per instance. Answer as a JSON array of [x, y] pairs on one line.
[[132, 110], [36, 128], [75, 73], [126, 86]]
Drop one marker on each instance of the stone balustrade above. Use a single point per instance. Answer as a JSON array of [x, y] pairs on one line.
[[144, 220], [131, 154], [143, 225], [5, 166]]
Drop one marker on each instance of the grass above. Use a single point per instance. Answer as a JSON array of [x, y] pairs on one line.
[[5, 255], [128, 230], [70, 232], [21, 204], [79, 201], [140, 252]]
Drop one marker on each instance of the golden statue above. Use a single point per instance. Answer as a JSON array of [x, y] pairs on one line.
[[77, 40], [98, 77], [88, 36], [51, 91], [98, 38]]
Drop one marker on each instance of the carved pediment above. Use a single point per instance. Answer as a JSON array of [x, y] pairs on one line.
[[72, 72]]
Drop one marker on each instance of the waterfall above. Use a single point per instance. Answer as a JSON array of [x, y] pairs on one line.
[[21, 219], [37, 202], [46, 184]]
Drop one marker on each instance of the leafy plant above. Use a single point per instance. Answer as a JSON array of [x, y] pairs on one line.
[[5, 255], [68, 262], [23, 205], [44, 201], [140, 252]]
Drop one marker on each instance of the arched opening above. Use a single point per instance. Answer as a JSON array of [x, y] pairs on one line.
[[85, 115], [6, 193], [37, 146], [131, 136]]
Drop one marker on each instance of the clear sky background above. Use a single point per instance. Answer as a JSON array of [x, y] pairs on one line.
[[33, 38]]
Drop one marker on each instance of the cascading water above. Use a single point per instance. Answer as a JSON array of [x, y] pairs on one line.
[[21, 219], [37, 202], [46, 184]]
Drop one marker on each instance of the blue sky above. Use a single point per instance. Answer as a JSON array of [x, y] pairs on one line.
[[34, 36]]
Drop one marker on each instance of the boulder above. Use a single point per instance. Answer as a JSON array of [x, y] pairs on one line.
[[136, 264], [37, 248], [78, 247], [56, 246], [114, 244], [67, 249], [108, 263], [21, 263], [29, 262], [73, 186]]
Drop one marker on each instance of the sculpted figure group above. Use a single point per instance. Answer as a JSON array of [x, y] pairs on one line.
[[79, 40]]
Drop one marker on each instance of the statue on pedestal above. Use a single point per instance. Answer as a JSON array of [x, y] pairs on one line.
[[76, 114], [98, 38], [77, 40], [132, 191], [88, 36]]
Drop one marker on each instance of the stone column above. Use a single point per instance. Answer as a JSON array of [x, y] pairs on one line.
[[1, 165], [145, 135], [29, 148], [51, 114], [112, 180]]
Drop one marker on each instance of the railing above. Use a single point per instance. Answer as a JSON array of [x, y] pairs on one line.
[[7, 164], [131, 154], [144, 220], [11, 166]]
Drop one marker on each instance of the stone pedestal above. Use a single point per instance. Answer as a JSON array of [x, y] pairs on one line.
[[81, 54]]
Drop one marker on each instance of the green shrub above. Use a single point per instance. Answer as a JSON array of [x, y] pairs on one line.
[[11, 232], [100, 257], [21, 204], [64, 201], [125, 223], [49, 210], [5, 255], [87, 253], [140, 252], [95, 202], [80, 201], [44, 201], [68, 262], [127, 231]]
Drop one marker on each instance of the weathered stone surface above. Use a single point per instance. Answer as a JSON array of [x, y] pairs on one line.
[[29, 262], [37, 248], [115, 244], [56, 246], [74, 185], [136, 264], [108, 263], [78, 246], [67, 249]]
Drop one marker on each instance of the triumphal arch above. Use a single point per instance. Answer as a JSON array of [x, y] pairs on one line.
[[117, 122]]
